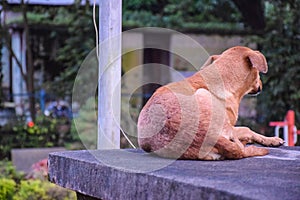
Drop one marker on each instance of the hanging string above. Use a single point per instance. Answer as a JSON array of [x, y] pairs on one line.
[[97, 54], [96, 30], [126, 137]]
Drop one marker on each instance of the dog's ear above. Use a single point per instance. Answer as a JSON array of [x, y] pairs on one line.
[[210, 60], [258, 61]]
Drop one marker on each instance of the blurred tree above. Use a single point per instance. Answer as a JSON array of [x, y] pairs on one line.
[[207, 15], [29, 64], [30, 17], [281, 45], [28, 76], [204, 15], [1, 46], [79, 43], [252, 12]]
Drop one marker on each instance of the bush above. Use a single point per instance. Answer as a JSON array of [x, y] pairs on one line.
[[31, 189], [45, 132], [7, 170], [7, 188], [42, 190], [15, 186], [55, 192]]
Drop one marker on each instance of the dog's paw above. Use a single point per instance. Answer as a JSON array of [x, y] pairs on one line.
[[274, 142]]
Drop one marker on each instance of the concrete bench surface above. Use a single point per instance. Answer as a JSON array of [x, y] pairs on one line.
[[128, 174]]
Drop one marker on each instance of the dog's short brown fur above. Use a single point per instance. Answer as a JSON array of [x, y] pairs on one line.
[[195, 118]]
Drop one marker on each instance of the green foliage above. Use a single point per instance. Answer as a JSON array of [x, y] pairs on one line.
[[40, 15], [86, 124], [206, 15], [15, 186], [127, 121], [7, 170], [281, 46], [42, 134], [76, 47], [31, 189], [7, 188], [181, 15], [46, 132], [33, 18], [41, 190], [58, 193]]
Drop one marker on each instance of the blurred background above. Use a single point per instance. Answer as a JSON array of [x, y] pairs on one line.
[[43, 44]]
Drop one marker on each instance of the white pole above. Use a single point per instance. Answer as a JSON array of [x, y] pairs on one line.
[[109, 89], [286, 135]]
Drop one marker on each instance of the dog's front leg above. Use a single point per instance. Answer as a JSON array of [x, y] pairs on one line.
[[246, 135]]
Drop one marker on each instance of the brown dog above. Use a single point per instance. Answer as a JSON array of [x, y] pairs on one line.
[[195, 118]]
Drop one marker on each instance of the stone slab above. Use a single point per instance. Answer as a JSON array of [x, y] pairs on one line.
[[133, 174], [24, 158]]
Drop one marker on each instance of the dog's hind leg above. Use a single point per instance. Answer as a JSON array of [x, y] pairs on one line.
[[250, 151], [232, 150], [229, 149]]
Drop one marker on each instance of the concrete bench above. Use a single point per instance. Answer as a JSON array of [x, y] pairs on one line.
[[128, 174], [24, 158]]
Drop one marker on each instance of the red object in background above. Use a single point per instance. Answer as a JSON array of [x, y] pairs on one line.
[[290, 118], [289, 122], [30, 124], [39, 170]]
